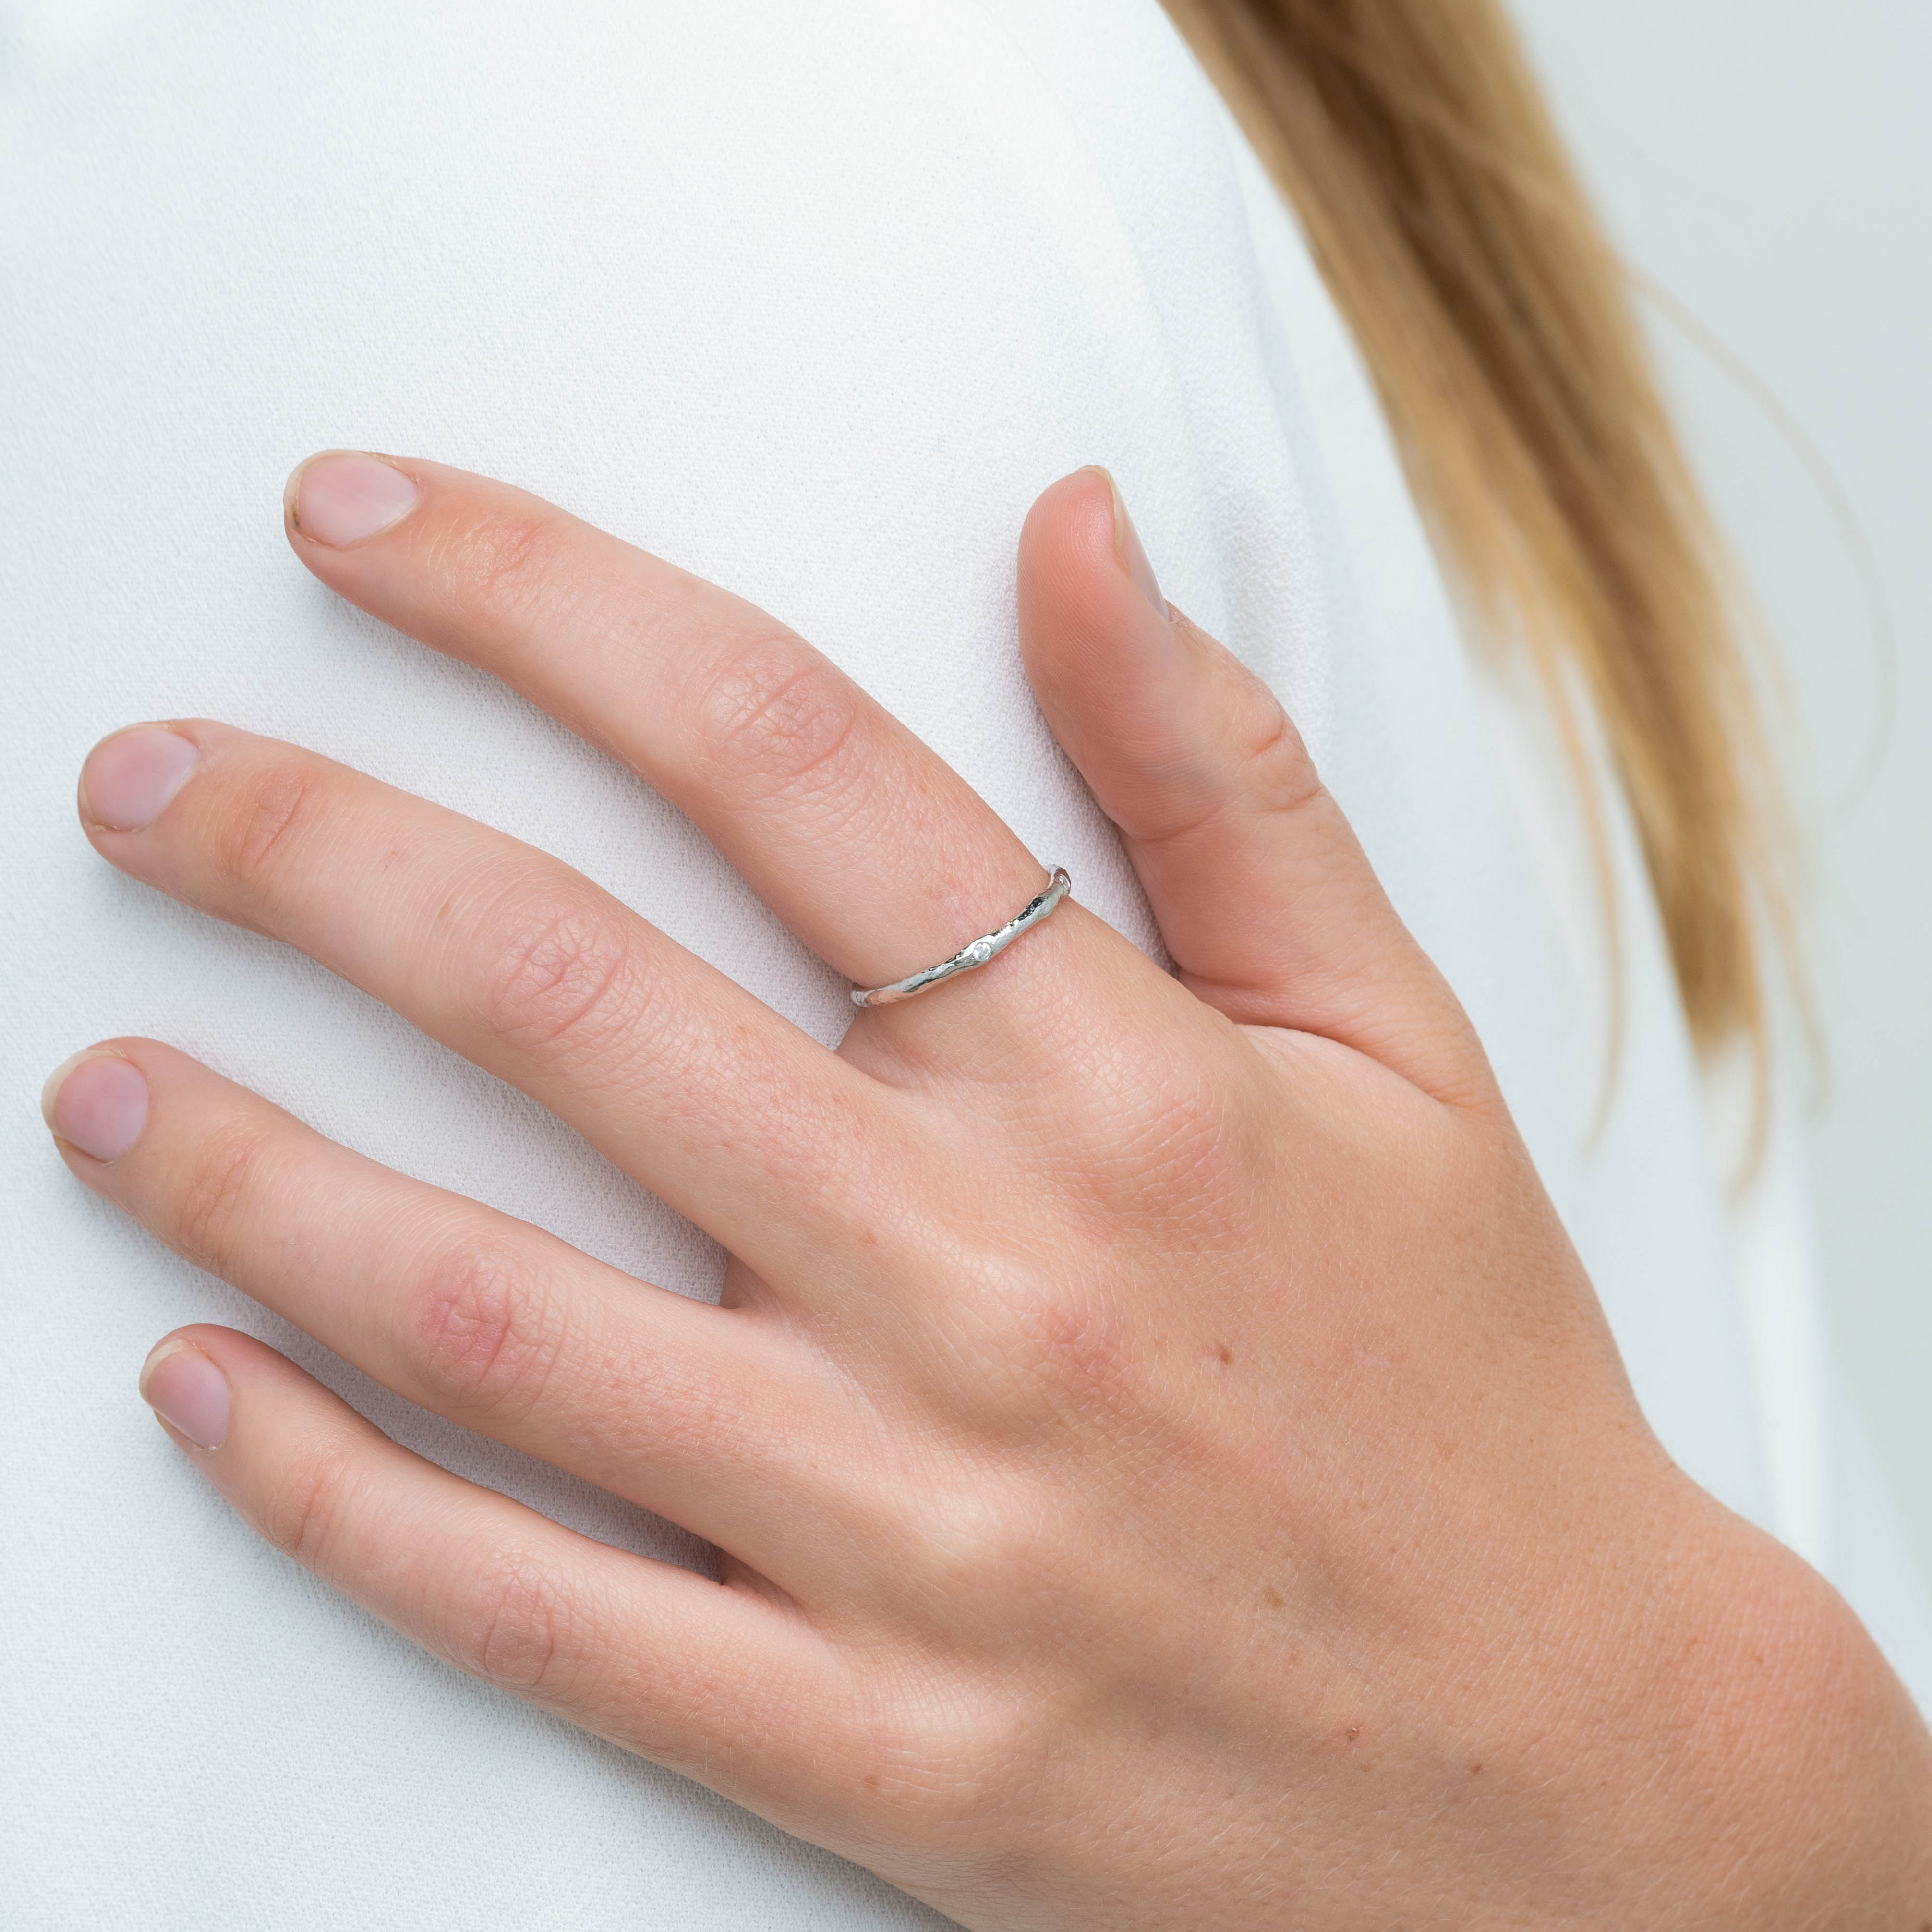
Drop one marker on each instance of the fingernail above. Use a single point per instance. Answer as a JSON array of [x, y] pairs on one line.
[[188, 1391], [1127, 548], [97, 1101], [129, 779], [342, 497]]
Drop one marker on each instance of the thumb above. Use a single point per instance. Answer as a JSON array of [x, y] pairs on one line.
[[1264, 898]]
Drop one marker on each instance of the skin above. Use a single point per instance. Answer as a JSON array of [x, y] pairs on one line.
[[1168, 1464]]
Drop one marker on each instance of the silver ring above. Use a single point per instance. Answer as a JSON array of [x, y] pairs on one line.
[[968, 957]]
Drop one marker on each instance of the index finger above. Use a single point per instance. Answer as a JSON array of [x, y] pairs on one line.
[[869, 846]]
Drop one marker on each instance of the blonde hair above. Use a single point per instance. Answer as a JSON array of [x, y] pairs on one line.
[[1412, 140]]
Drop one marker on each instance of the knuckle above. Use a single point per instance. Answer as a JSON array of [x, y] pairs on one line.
[[778, 717], [516, 1628], [1253, 759], [989, 1543], [500, 563], [1272, 766], [932, 1751], [1183, 1152], [305, 1517], [559, 969], [1072, 1350], [255, 839], [484, 1328], [211, 1211]]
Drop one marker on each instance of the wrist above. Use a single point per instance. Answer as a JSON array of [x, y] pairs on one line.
[[1795, 1772]]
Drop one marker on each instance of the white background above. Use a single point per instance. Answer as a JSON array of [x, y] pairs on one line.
[[1769, 163]]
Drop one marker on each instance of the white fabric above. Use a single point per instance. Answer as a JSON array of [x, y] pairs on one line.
[[813, 301]]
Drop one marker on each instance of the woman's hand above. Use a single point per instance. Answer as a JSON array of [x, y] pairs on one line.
[[1168, 1464]]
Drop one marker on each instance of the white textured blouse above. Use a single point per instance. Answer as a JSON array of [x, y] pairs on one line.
[[813, 300]]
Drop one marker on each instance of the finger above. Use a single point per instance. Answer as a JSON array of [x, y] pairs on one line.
[[878, 855], [710, 1680], [736, 1118], [711, 1419], [1264, 898]]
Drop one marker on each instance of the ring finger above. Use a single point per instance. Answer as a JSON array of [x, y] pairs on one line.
[[710, 1417]]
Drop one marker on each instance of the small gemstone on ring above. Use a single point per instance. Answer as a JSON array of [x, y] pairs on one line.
[[977, 954]]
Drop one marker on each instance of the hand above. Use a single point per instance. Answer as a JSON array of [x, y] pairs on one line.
[[1168, 1465]]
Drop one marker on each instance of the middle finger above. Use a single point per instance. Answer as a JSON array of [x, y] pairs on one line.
[[740, 1121]]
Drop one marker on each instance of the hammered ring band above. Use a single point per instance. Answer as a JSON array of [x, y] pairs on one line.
[[1037, 908]]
